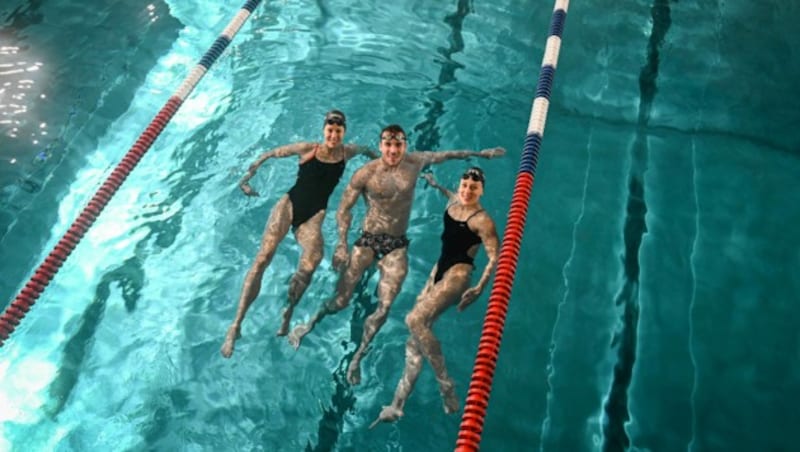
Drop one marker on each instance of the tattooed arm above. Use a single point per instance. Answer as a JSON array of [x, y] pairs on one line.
[[282, 151]]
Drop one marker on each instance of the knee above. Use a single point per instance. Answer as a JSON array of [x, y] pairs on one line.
[[415, 322], [381, 312], [414, 358], [306, 270], [263, 259], [336, 304], [389, 288], [313, 261], [352, 274], [378, 318], [346, 285]]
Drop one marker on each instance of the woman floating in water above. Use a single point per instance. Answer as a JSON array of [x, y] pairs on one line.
[[302, 209], [466, 226]]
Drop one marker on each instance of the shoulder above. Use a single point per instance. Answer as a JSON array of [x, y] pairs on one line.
[[303, 146], [413, 162], [364, 172], [481, 220]]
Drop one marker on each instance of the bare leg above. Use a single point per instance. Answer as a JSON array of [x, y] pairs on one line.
[[277, 227], [393, 412], [309, 236], [429, 307], [360, 259], [393, 268]]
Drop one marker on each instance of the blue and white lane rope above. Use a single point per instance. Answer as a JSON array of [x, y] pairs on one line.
[[216, 49], [541, 102]]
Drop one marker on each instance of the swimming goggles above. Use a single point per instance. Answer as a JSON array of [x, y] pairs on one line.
[[335, 120], [474, 174], [393, 136]]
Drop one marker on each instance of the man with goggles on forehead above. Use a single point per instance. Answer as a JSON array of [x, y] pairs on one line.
[[387, 185], [466, 227], [302, 209]]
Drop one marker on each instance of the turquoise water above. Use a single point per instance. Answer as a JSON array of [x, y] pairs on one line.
[[655, 306]]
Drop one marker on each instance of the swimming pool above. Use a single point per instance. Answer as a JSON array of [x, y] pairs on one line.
[[655, 303]]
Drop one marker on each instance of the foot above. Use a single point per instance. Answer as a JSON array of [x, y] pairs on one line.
[[389, 413], [234, 332], [354, 373], [283, 330], [297, 335], [449, 397]]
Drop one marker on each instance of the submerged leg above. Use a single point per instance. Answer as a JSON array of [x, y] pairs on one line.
[[277, 227], [420, 321], [394, 411], [359, 261], [309, 236], [393, 268], [432, 351]]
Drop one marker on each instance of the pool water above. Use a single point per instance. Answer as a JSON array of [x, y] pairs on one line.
[[655, 303]]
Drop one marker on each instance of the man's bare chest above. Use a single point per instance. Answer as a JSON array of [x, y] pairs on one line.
[[396, 184]]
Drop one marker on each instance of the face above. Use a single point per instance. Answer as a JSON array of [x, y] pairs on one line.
[[333, 134], [393, 148], [470, 191]]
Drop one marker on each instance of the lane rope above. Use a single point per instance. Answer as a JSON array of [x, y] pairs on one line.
[[469, 436], [16, 311]]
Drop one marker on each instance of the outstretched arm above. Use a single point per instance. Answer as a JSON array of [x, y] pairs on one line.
[[352, 150], [488, 233], [282, 151], [432, 157], [429, 177]]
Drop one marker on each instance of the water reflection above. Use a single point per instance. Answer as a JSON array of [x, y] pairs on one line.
[[22, 133], [16, 87], [151, 11]]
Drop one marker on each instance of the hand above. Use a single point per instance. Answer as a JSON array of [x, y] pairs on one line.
[[493, 152], [340, 257], [468, 297], [247, 189], [428, 177]]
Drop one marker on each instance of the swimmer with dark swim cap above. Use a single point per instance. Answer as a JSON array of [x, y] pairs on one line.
[[467, 226]]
